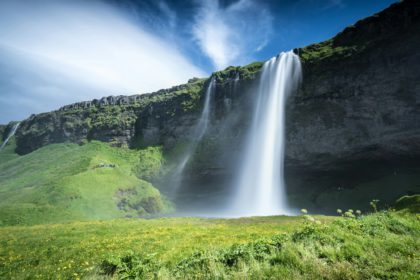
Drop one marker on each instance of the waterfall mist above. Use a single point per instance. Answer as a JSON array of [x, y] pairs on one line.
[[260, 187]]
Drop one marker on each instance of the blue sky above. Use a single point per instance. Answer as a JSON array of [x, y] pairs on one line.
[[55, 52]]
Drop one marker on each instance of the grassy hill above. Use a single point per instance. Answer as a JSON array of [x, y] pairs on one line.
[[64, 182]]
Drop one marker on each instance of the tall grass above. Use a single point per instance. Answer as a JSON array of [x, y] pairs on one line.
[[379, 246], [57, 251]]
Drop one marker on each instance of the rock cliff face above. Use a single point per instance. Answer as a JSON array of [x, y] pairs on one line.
[[360, 99], [2, 130], [358, 106], [355, 122], [110, 119]]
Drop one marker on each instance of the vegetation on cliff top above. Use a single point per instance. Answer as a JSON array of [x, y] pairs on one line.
[[376, 32], [326, 49], [247, 72]]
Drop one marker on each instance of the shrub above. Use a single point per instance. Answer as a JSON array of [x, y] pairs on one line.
[[374, 205], [344, 249], [131, 266]]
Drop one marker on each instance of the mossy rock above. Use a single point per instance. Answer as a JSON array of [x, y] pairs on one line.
[[409, 203]]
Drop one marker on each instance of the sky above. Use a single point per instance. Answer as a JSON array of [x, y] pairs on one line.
[[57, 52]]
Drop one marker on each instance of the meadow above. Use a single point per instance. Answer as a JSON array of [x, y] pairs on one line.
[[382, 245], [75, 250]]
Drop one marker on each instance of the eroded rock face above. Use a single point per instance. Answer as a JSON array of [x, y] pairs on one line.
[[56, 127], [111, 119], [364, 104], [2, 132]]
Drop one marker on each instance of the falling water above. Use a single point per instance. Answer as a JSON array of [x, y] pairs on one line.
[[199, 131], [260, 186], [11, 133], [203, 123]]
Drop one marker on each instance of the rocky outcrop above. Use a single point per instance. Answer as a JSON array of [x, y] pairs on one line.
[[2, 132], [109, 119]]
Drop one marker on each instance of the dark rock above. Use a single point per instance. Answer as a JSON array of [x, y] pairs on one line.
[[364, 106]]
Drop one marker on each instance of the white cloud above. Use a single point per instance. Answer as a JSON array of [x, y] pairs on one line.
[[232, 34], [56, 52]]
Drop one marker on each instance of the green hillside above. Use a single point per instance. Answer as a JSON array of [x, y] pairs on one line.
[[63, 182]]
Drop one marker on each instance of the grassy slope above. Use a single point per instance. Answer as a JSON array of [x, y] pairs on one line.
[[378, 246], [59, 183], [60, 250]]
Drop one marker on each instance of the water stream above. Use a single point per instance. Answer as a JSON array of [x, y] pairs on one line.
[[198, 133], [11, 134]]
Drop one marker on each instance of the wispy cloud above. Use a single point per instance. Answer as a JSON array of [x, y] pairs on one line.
[[231, 34], [56, 52], [333, 4]]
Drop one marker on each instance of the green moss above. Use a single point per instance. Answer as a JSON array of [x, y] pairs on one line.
[[251, 70], [327, 49], [409, 202], [247, 72]]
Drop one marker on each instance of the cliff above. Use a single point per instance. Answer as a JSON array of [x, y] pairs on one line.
[[358, 107], [360, 98]]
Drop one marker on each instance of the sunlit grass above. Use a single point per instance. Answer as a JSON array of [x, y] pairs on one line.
[[61, 182], [60, 250], [384, 245]]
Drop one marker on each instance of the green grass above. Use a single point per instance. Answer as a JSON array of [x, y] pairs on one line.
[[60, 250], [7, 153], [60, 182], [380, 246], [384, 245], [40, 192]]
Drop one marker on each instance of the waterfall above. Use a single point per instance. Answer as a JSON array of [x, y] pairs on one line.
[[204, 121], [260, 187], [11, 133], [198, 133]]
